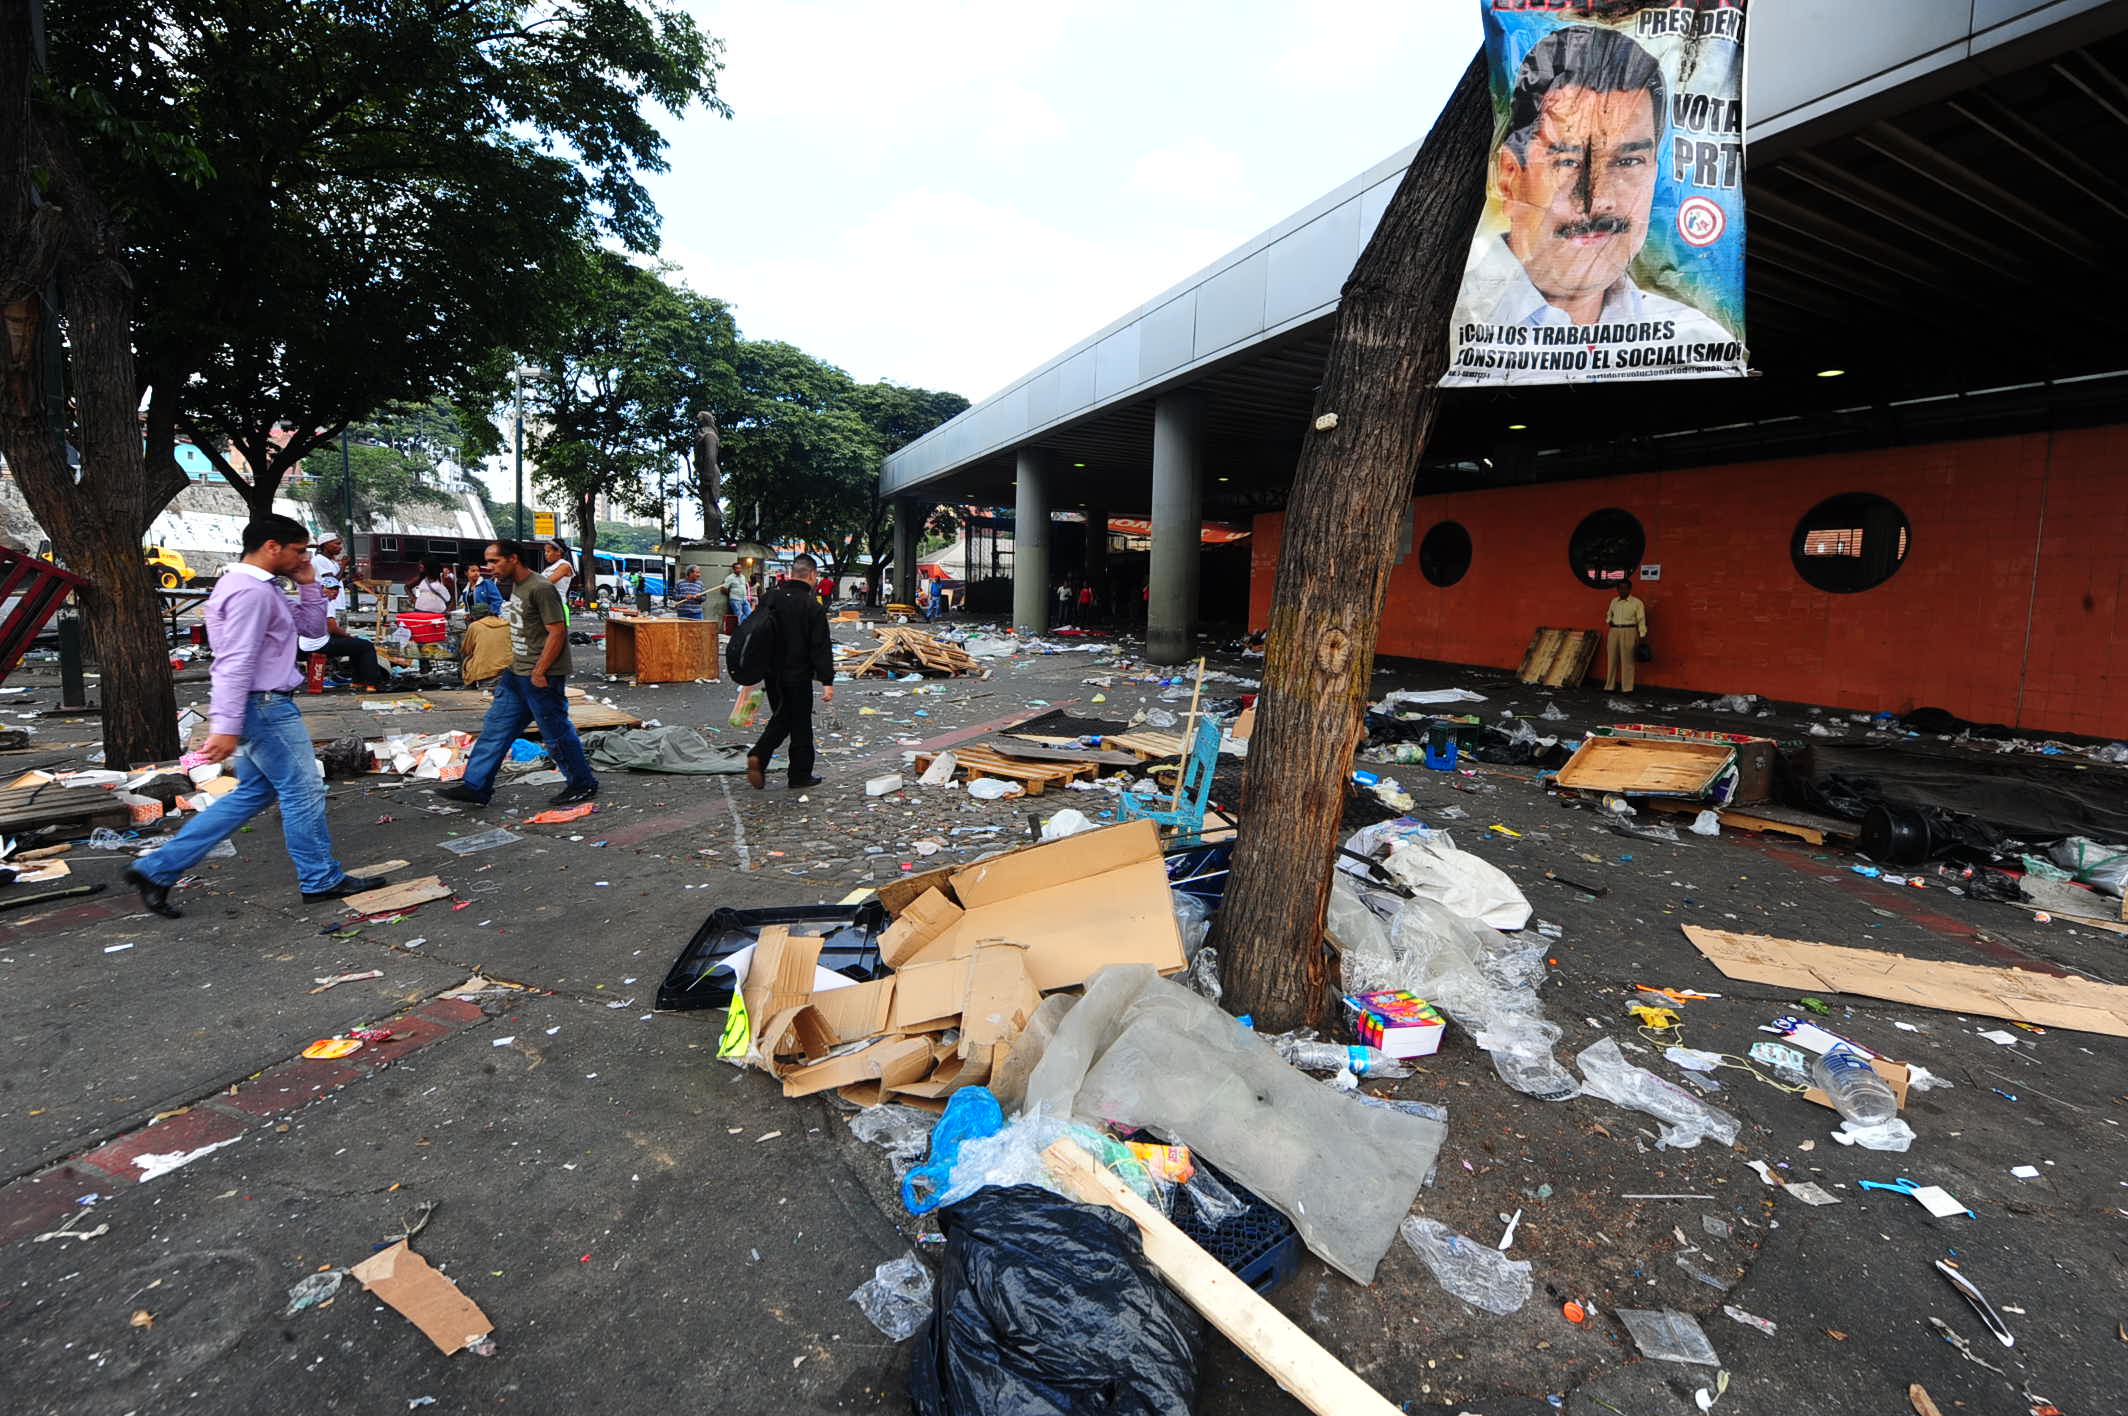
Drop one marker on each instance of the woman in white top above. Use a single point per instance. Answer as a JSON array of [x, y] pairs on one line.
[[560, 569], [432, 589]]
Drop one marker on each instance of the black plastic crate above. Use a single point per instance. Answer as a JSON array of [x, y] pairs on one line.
[[1259, 1246], [850, 945]]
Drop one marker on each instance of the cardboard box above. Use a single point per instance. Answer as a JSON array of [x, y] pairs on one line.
[[1398, 1022], [889, 1062]]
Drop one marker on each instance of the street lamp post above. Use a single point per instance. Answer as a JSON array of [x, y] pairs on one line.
[[518, 376]]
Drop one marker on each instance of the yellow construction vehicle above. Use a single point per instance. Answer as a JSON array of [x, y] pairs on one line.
[[168, 568]]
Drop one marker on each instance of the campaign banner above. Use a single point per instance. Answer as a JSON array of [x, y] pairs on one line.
[[1612, 242]]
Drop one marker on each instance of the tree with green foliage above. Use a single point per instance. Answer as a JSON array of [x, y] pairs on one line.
[[803, 447], [397, 461], [258, 216], [615, 413]]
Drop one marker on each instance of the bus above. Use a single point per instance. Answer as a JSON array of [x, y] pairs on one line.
[[616, 574]]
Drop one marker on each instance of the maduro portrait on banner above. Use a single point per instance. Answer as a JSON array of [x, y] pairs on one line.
[[1612, 242]]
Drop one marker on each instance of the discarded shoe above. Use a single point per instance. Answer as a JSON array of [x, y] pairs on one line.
[[156, 898]]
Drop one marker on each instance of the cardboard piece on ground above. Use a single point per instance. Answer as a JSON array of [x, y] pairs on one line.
[[949, 1076], [1244, 724], [1075, 905], [388, 899], [1272, 1341], [916, 925], [430, 1301], [928, 997], [779, 987], [889, 1062], [999, 1001], [855, 1013], [2023, 995]]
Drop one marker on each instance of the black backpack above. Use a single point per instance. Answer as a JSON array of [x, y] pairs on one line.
[[751, 654]]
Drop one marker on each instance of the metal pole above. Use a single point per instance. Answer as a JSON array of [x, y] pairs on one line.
[[347, 483], [517, 451]]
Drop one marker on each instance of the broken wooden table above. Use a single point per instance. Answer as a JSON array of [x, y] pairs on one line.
[[660, 650]]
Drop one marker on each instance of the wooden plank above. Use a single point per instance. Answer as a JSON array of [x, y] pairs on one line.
[[1272, 1341], [1744, 820], [1147, 744], [1664, 768], [1538, 658], [389, 899], [26, 808]]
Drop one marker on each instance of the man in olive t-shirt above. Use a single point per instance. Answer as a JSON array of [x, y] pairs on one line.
[[532, 687]]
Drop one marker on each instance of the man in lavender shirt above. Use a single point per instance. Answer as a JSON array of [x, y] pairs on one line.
[[254, 718]]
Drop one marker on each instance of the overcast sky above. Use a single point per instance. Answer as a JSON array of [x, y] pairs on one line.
[[947, 192]]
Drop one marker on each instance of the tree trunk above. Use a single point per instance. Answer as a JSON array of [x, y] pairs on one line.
[[1350, 492], [587, 542]]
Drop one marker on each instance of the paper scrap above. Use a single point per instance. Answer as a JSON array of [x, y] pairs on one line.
[[164, 1162], [2001, 1038], [1938, 1201], [426, 1298], [2025, 1172]]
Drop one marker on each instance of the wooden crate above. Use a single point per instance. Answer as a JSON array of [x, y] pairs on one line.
[[661, 650], [1559, 658], [1644, 766], [25, 809]]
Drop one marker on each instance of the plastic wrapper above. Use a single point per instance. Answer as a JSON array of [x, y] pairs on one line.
[[1141, 1051], [1686, 1120], [1477, 1273], [897, 1297], [1203, 975], [2092, 863], [971, 1115], [1707, 823], [1485, 982], [902, 1131], [1068, 822], [1193, 918], [991, 789], [1892, 1135], [1668, 1336], [1048, 1308], [1214, 1203]]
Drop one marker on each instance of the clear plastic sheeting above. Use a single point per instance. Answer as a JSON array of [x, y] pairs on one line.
[[1203, 975], [1433, 868], [1138, 1050], [903, 1132], [1669, 1336], [1484, 981], [1892, 1135], [897, 1297], [1480, 1275], [1192, 918], [1686, 1120]]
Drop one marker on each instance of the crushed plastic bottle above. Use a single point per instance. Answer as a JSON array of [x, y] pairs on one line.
[[1853, 1086], [897, 1297], [1361, 1061]]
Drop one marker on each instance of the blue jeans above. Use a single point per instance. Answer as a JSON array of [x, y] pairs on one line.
[[518, 702], [275, 763]]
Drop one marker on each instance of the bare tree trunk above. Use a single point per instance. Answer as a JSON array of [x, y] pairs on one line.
[[587, 542], [96, 521], [1352, 486]]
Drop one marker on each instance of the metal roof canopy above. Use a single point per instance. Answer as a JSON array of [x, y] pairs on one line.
[[1952, 257]]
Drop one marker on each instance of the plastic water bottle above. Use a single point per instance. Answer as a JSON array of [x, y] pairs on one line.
[[1336, 1057], [1853, 1086]]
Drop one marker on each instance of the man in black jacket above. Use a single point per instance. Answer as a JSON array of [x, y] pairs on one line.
[[803, 655]]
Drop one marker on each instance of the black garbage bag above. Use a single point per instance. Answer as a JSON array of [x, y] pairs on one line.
[[1048, 1308]]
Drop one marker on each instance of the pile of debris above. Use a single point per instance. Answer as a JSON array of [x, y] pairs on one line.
[[903, 651]]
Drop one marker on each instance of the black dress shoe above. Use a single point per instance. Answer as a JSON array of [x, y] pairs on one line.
[[349, 885], [799, 784], [571, 796], [155, 897], [459, 791]]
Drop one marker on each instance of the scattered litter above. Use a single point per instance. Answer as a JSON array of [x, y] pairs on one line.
[[562, 815], [2025, 1172], [313, 1289], [163, 1163], [485, 841], [1479, 1275], [897, 1297], [1686, 1120], [1669, 1336], [1764, 1325], [335, 980]]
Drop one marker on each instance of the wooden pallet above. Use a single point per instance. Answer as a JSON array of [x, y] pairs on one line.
[[1146, 745], [1559, 658], [903, 650], [1663, 767], [1809, 829], [973, 762], [25, 809]]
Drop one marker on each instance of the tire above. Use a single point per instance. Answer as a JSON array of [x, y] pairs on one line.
[[168, 580]]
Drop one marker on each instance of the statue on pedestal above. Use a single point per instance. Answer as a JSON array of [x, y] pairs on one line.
[[710, 476]]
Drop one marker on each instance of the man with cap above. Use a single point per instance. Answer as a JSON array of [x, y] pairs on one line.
[[361, 655]]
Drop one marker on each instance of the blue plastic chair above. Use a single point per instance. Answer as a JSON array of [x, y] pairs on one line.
[[1186, 819]]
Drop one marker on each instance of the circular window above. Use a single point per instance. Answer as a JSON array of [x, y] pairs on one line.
[[1850, 543], [1444, 553], [1607, 547]]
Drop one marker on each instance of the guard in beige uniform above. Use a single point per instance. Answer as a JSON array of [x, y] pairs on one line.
[[1627, 619]]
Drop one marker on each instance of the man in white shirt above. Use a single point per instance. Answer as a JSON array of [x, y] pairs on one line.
[[361, 655]]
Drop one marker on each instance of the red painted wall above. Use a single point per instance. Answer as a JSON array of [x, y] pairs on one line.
[[2011, 606]]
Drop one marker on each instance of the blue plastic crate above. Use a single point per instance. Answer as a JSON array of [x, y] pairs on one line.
[[1259, 1246]]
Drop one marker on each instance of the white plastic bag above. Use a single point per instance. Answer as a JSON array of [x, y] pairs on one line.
[[991, 789], [1433, 869]]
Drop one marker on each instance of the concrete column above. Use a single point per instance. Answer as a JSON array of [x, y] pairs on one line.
[[1178, 515], [1031, 589], [1097, 556], [902, 590]]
